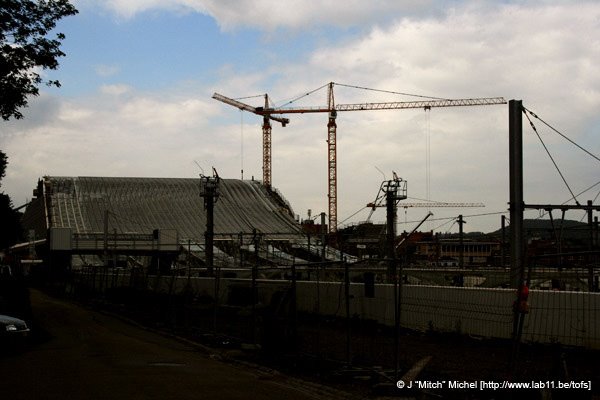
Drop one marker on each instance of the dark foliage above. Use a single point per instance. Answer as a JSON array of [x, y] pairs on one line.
[[25, 48], [544, 229], [10, 224], [3, 164], [10, 229]]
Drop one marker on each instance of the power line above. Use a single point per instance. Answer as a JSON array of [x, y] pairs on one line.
[[445, 223], [485, 214], [559, 133], [551, 158], [583, 191], [359, 210], [543, 214]]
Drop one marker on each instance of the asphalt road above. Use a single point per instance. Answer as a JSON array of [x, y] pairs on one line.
[[81, 354]]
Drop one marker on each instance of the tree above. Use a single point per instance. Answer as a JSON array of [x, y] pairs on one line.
[[26, 48], [3, 164], [10, 228]]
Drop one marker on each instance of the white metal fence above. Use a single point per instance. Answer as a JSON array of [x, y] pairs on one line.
[[569, 318]]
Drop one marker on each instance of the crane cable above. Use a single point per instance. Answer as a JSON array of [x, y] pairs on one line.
[[362, 88], [250, 97], [293, 100], [390, 92], [551, 158]]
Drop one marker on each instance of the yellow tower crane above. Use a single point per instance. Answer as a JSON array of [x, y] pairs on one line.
[[332, 110]]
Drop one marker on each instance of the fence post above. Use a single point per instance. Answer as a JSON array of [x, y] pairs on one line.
[[256, 240], [591, 260], [348, 320], [294, 307]]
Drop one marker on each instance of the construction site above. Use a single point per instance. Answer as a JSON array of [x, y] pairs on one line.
[[228, 263]]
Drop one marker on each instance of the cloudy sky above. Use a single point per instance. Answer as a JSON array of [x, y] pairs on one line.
[[138, 78]]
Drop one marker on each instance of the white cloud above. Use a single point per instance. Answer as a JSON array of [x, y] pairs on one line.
[[115, 90], [269, 15], [104, 70], [141, 135], [542, 55], [545, 55]]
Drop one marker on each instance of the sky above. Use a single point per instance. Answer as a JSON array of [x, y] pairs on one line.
[[138, 77]]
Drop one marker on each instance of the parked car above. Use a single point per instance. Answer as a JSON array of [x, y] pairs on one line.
[[13, 327]]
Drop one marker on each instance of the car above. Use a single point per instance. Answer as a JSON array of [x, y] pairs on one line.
[[12, 328]]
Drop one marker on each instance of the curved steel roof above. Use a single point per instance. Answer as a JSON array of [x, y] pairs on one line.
[[145, 204]]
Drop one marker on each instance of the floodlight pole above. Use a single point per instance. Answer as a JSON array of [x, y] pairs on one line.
[[209, 190]]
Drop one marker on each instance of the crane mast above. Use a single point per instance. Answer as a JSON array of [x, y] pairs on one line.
[[266, 128], [332, 160], [332, 109]]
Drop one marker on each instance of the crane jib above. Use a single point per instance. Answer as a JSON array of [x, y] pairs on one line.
[[385, 106]]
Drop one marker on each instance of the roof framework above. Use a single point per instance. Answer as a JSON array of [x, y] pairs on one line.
[[145, 204]]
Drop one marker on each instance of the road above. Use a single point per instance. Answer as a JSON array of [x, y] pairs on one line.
[[82, 354]]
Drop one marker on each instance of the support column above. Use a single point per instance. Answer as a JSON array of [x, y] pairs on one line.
[[515, 145], [503, 245], [390, 206], [209, 190], [209, 233], [461, 242], [591, 260]]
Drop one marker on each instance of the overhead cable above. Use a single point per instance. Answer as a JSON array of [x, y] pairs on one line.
[[562, 135], [551, 158]]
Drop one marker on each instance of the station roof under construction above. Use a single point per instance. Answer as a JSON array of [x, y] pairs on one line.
[[145, 204]]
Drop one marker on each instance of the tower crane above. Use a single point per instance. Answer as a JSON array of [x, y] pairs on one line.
[[332, 110], [379, 200], [266, 128]]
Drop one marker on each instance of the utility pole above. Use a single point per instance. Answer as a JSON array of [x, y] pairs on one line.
[[503, 244], [395, 190], [461, 242], [591, 247], [105, 239], [595, 278], [515, 155], [209, 190], [323, 237], [391, 218]]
